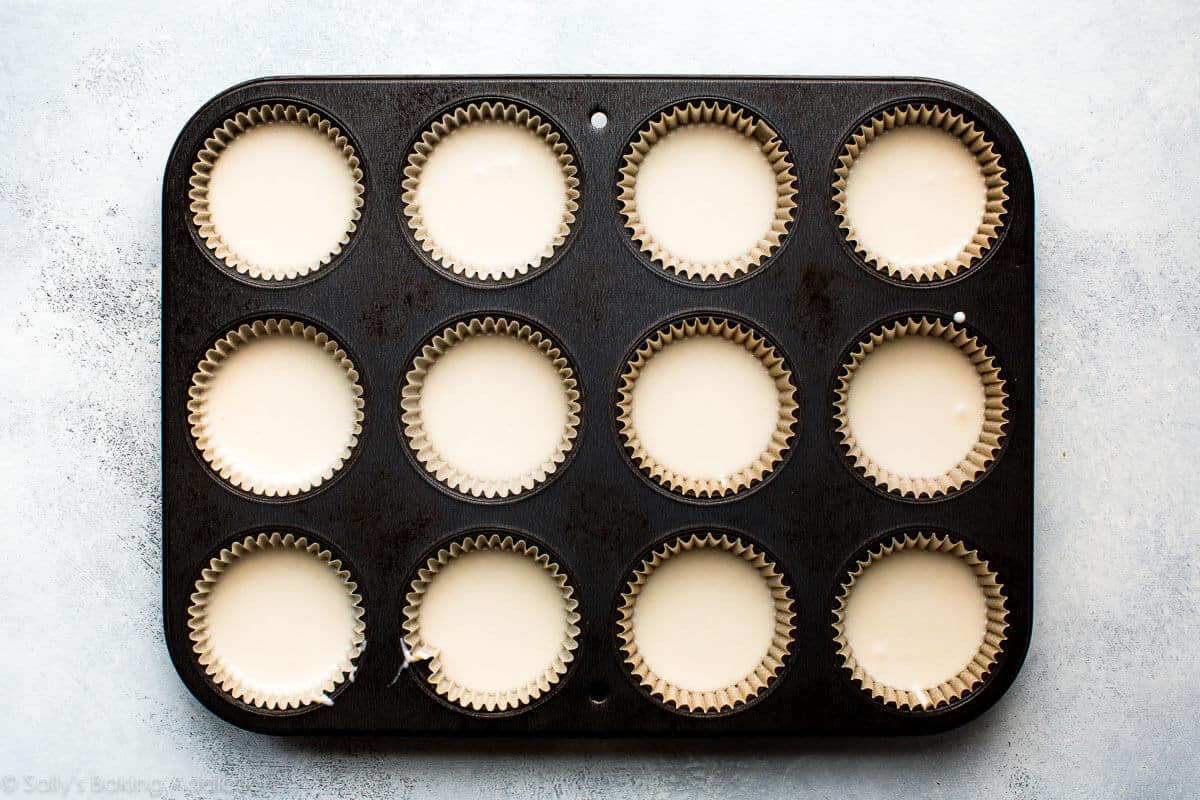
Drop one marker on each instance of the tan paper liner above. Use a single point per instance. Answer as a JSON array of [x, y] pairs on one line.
[[989, 163], [974, 673], [780, 439], [487, 111], [709, 113], [206, 372], [206, 160], [727, 697], [417, 650], [433, 461], [994, 410], [244, 687]]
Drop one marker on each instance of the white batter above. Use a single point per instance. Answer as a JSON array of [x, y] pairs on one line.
[[497, 618], [494, 407], [704, 619], [705, 407], [282, 196], [915, 196], [706, 193], [916, 406], [281, 620], [493, 196], [280, 410], [916, 618]]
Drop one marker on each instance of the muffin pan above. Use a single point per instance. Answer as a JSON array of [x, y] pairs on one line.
[[319, 353]]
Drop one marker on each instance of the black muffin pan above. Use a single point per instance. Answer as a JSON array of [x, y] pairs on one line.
[[381, 298]]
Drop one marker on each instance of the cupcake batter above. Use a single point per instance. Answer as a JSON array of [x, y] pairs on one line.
[[706, 193], [915, 196], [704, 619], [916, 618], [705, 407], [496, 618], [280, 412], [280, 620], [493, 196], [915, 405], [282, 197], [494, 407]]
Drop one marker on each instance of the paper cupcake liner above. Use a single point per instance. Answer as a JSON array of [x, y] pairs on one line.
[[428, 456], [975, 141], [727, 697], [206, 160], [973, 674], [417, 650], [740, 120], [994, 412], [244, 687], [487, 111], [755, 344], [222, 462]]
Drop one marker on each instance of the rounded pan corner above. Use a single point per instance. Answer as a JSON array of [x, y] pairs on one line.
[[186, 132], [945, 84], [958, 716], [226, 712], [983, 103], [182, 663]]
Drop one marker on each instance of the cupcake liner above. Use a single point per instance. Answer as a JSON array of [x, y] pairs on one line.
[[975, 141], [708, 113], [727, 697], [224, 463], [428, 456], [475, 700], [994, 413], [754, 343], [974, 673], [244, 687], [206, 160], [460, 117]]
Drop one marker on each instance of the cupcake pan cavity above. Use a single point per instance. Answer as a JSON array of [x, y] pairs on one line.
[[597, 297], [541, 640], [260, 609], [321, 198], [724, 193], [956, 682], [503, 190], [977, 456], [672, 638], [991, 176], [281, 379], [538, 414], [695, 472]]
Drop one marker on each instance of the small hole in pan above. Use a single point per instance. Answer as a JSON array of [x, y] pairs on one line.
[[599, 120], [598, 692]]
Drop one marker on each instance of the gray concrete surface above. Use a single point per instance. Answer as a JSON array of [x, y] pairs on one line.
[[1105, 97]]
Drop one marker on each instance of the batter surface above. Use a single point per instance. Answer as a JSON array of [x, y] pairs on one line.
[[704, 619], [281, 620], [494, 407], [706, 193], [915, 196], [916, 618], [493, 196], [915, 406], [280, 411], [497, 619], [705, 407], [281, 195]]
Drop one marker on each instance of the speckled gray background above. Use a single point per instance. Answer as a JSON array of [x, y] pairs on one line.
[[1105, 97]]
